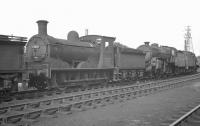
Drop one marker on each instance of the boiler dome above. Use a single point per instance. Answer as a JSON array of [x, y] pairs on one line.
[[73, 36]]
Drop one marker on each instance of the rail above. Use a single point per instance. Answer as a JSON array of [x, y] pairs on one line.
[[184, 119]]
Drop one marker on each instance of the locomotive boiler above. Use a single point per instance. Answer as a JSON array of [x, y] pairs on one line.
[[63, 53]]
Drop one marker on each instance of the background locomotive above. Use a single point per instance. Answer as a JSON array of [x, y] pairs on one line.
[[165, 61], [94, 59]]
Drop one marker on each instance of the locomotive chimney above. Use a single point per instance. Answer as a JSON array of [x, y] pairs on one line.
[[42, 27], [146, 43]]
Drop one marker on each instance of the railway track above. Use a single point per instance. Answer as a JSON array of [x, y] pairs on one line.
[[191, 118], [25, 113], [22, 96], [35, 94]]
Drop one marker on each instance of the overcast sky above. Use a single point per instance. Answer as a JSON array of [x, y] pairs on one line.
[[131, 21]]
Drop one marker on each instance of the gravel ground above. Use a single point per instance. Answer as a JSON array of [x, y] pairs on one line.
[[151, 110]]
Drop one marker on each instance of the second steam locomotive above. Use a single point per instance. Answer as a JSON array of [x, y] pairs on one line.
[[94, 59]]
